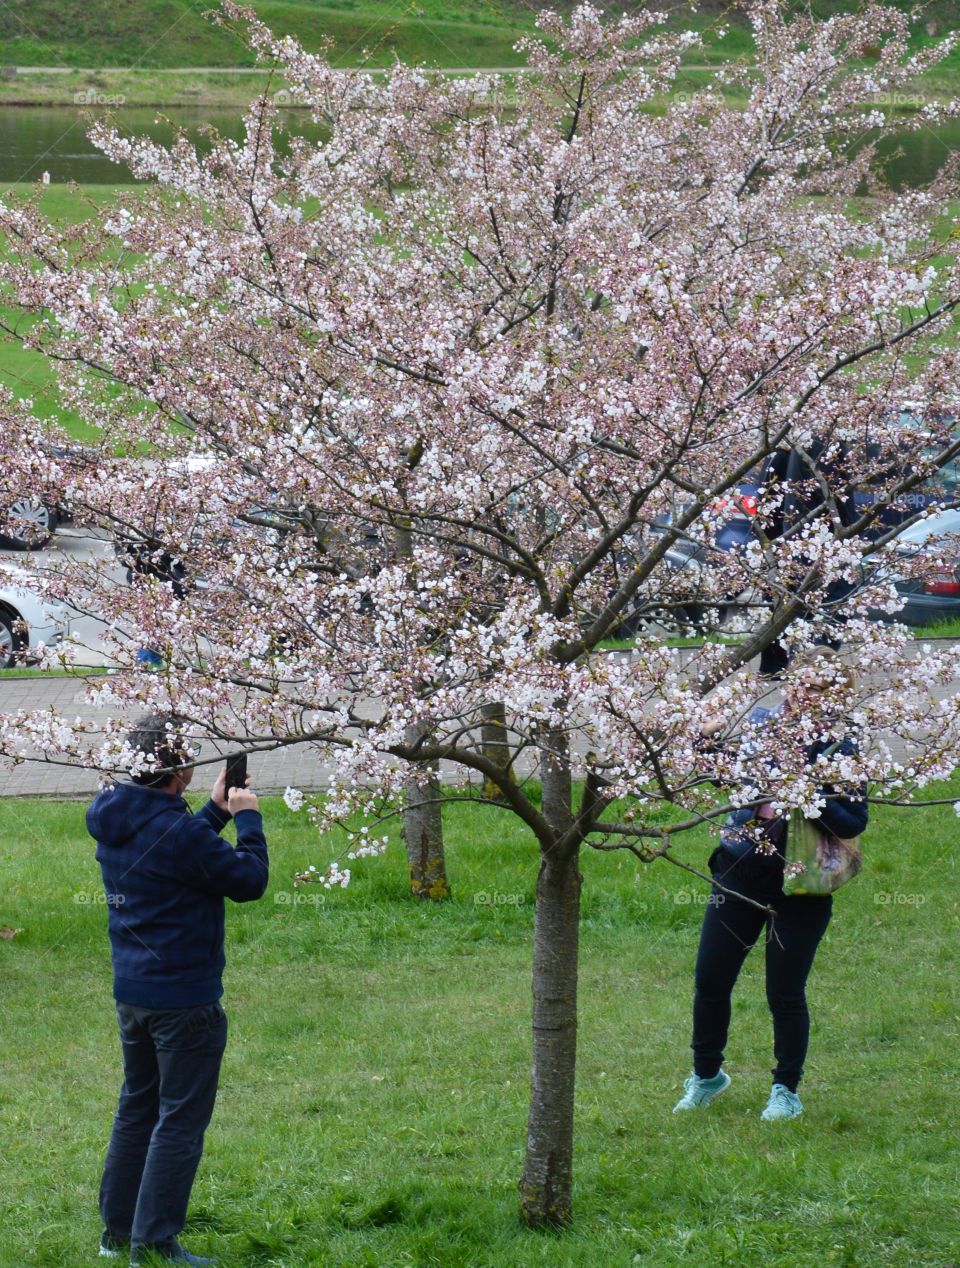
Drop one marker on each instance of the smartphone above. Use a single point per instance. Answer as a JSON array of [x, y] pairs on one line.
[[236, 773]]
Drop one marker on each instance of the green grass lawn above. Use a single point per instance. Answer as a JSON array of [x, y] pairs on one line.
[[160, 33], [23, 671], [29, 374], [125, 49], [373, 1099], [153, 33], [946, 629]]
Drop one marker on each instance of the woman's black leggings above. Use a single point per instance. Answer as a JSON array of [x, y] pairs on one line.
[[730, 929]]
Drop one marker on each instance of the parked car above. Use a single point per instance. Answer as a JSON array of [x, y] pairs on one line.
[[924, 605], [935, 598], [29, 525], [782, 465], [27, 619]]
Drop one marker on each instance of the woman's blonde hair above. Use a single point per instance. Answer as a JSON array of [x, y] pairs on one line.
[[828, 660]]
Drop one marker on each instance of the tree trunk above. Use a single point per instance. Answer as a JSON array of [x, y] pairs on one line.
[[546, 1189], [422, 819], [423, 827], [493, 743]]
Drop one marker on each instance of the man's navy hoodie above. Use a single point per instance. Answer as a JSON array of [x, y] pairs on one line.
[[166, 872]]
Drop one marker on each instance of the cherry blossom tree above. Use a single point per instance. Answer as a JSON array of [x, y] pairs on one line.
[[538, 334]]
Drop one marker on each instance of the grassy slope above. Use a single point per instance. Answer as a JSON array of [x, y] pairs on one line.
[[154, 33], [175, 33], [26, 373], [373, 1097], [29, 374]]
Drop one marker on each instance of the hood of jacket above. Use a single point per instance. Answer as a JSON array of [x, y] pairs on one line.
[[119, 813]]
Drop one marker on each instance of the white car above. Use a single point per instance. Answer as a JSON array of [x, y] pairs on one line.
[[43, 620]]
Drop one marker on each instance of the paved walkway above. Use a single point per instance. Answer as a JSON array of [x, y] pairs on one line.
[[297, 766]]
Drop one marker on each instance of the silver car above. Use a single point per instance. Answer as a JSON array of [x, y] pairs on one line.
[[27, 619], [29, 525]]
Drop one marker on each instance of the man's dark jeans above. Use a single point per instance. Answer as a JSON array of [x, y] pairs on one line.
[[171, 1064]]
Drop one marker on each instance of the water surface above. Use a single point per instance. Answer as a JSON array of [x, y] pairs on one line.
[[35, 139]]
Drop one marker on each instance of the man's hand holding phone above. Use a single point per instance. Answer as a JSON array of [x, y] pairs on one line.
[[231, 790], [242, 799]]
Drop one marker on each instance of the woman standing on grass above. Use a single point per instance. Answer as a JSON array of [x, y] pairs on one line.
[[750, 862]]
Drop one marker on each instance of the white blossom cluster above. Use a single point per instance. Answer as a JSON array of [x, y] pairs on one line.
[[426, 412]]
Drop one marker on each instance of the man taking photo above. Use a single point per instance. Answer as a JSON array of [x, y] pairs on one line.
[[167, 872]]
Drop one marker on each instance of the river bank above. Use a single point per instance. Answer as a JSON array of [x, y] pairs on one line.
[[232, 89], [115, 88]]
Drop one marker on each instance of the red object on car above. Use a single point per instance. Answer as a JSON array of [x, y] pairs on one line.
[[943, 583]]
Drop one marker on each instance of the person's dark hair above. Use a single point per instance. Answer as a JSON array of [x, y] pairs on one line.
[[160, 736]]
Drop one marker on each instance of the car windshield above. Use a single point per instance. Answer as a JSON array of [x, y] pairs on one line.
[[937, 526], [947, 478]]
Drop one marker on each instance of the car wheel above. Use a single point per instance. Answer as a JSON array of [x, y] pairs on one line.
[[40, 520], [11, 641], [693, 616]]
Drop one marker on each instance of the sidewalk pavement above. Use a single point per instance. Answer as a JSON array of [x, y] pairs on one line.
[[297, 766]]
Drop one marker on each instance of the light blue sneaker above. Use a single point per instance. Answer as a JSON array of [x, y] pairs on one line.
[[782, 1104], [697, 1091]]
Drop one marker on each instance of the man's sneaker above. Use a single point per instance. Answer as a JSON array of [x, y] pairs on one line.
[[697, 1091], [113, 1247], [782, 1104], [174, 1255]]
